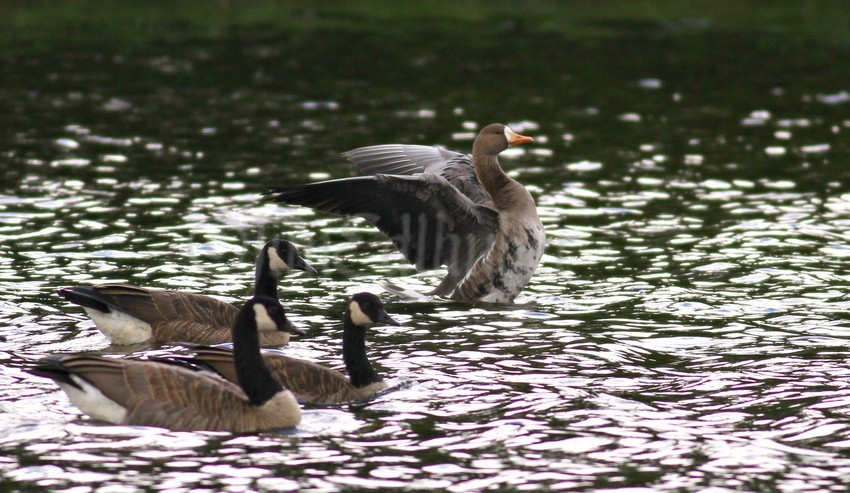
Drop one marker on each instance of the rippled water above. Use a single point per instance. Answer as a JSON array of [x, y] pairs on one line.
[[686, 330]]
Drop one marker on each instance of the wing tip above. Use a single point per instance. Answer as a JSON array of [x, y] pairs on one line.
[[280, 193], [271, 192], [87, 297], [52, 367]]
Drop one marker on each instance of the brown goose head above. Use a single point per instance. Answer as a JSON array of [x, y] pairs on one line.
[[495, 138]]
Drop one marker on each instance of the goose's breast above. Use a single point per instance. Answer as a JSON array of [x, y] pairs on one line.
[[504, 271]]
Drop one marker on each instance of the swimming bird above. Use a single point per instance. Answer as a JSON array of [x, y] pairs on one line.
[[130, 314], [149, 393], [440, 207], [311, 382]]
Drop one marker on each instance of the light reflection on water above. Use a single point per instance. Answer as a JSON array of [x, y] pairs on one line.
[[686, 328]]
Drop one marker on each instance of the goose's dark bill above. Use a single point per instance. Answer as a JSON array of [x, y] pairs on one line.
[[272, 317], [283, 256], [385, 318], [302, 264], [288, 326]]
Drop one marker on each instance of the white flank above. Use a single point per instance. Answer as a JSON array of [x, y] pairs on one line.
[[91, 401], [264, 321], [120, 327], [358, 317], [275, 262]]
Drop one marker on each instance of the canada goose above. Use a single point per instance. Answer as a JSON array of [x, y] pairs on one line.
[[311, 382], [441, 207], [149, 393], [130, 314]]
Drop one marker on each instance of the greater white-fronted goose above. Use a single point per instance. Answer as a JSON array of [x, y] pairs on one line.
[[150, 393], [441, 207], [130, 314], [311, 382]]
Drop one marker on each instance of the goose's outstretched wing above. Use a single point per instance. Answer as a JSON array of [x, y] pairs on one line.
[[402, 159], [428, 220]]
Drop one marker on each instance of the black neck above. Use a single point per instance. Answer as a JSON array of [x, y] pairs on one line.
[[254, 378], [360, 370], [265, 281]]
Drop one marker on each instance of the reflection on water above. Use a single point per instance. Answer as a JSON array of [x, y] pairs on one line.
[[685, 330]]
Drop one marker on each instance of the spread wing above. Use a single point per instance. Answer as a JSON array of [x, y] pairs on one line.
[[428, 220], [401, 159]]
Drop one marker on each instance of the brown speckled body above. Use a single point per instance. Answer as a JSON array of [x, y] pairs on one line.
[[501, 273]]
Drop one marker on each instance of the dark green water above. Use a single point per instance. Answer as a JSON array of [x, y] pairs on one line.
[[686, 330]]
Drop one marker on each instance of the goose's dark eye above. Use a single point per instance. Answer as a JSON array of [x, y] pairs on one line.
[[366, 304]]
